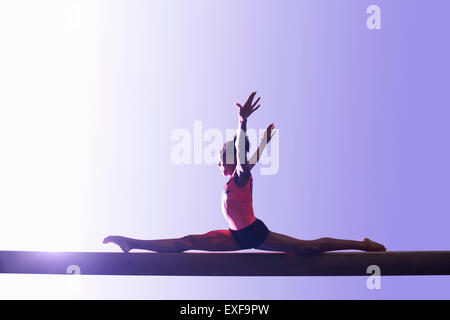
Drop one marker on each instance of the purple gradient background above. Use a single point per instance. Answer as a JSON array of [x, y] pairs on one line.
[[363, 119]]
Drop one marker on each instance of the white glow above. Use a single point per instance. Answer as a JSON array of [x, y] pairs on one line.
[[48, 78]]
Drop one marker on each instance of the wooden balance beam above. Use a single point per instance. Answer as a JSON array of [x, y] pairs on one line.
[[393, 263]]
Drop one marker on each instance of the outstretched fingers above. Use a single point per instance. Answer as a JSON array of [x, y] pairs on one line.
[[254, 109], [251, 97], [256, 102]]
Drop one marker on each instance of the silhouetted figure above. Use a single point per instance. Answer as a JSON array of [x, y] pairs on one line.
[[246, 231]]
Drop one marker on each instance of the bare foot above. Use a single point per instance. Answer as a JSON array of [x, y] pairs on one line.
[[373, 246], [122, 242]]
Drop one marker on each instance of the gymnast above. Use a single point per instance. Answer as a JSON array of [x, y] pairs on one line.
[[245, 230]]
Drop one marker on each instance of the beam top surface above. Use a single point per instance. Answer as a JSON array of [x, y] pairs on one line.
[[344, 263]]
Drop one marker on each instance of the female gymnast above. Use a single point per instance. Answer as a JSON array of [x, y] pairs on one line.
[[246, 231]]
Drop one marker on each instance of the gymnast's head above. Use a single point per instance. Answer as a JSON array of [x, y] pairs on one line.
[[227, 156]]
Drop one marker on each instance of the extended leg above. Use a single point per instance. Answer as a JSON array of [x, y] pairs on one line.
[[280, 242], [217, 240]]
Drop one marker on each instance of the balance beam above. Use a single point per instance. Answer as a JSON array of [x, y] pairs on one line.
[[393, 263]]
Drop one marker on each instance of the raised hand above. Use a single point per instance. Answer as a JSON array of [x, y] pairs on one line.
[[268, 134], [249, 107]]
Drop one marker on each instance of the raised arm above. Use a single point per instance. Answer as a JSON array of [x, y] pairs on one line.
[[263, 142], [244, 112]]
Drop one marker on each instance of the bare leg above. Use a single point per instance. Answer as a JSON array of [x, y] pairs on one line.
[[217, 240], [222, 240], [280, 242], [161, 245]]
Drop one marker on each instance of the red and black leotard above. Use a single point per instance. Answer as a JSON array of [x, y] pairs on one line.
[[237, 206], [237, 201]]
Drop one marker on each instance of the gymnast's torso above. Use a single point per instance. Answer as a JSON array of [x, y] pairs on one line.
[[237, 203]]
